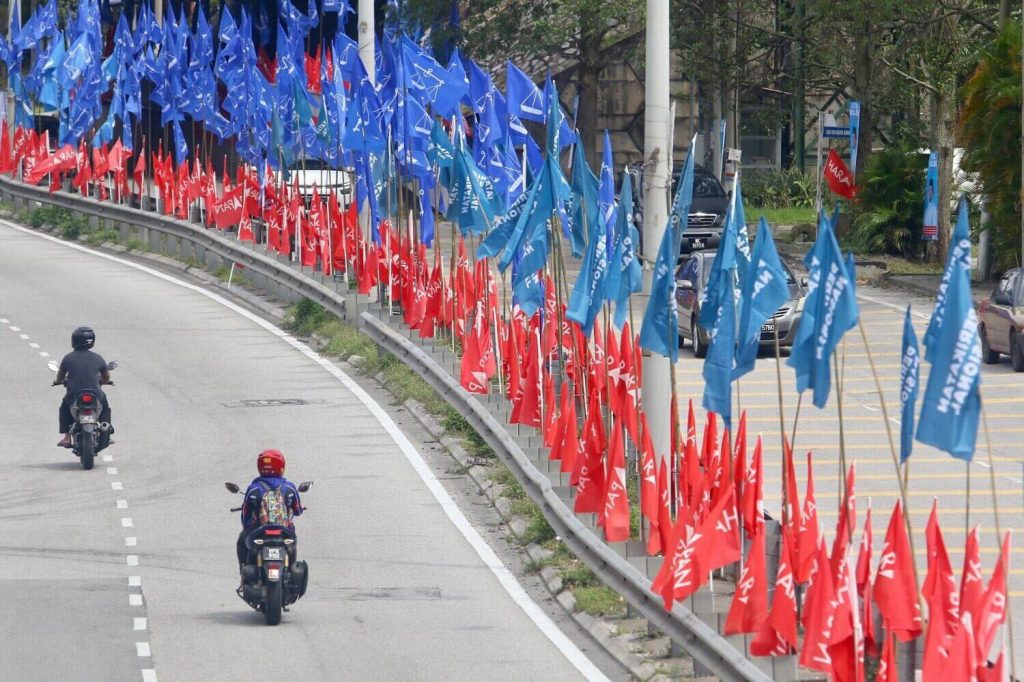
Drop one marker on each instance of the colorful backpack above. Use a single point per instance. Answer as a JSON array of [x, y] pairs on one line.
[[274, 509]]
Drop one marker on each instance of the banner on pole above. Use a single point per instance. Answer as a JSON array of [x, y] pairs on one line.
[[854, 135], [930, 231]]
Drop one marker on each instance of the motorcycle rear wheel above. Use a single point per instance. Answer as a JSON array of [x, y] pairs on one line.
[[86, 450], [275, 600]]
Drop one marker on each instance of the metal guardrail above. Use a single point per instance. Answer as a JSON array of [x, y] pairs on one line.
[[697, 638]]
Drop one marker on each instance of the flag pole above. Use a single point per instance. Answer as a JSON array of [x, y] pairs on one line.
[[782, 428], [999, 532]]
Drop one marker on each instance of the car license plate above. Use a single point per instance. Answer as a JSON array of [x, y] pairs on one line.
[[697, 243], [768, 328]]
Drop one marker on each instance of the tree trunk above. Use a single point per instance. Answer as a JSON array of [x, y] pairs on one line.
[[586, 119], [944, 128], [864, 90]]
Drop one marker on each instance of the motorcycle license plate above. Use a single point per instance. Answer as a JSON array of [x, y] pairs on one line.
[[768, 328], [273, 553], [87, 420], [697, 243]]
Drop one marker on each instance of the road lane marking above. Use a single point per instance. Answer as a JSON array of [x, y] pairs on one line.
[[112, 471], [134, 600], [134, 581], [142, 649], [126, 522], [116, 485], [108, 458], [122, 504], [14, 329], [138, 623], [130, 542], [148, 675], [500, 571], [44, 354], [132, 559], [23, 337], [33, 345]]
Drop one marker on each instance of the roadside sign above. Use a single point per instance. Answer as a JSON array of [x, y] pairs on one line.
[[837, 131]]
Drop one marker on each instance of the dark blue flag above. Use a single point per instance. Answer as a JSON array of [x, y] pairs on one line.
[[951, 404], [764, 290], [909, 379], [524, 98]]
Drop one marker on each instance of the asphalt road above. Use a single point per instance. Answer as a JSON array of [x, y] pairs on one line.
[[964, 492], [128, 571]]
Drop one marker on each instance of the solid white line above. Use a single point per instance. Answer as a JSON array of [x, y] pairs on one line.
[[126, 522], [116, 485], [134, 581], [138, 623], [142, 649], [148, 675], [134, 600], [131, 542], [122, 504], [132, 559], [872, 299], [504, 576]]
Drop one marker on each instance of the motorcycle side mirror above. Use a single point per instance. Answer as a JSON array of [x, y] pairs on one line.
[[232, 487], [52, 364], [112, 365], [305, 485], [803, 281]]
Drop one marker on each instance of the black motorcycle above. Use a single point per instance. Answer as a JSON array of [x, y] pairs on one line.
[[276, 580], [89, 435]]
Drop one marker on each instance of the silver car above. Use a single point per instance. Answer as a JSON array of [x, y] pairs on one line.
[[691, 281]]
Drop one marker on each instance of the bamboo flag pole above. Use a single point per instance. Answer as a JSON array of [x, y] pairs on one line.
[[999, 531], [782, 429]]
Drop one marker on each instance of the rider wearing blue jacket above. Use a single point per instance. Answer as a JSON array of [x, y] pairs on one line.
[[270, 464]]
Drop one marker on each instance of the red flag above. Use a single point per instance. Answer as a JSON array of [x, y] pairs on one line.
[[818, 616], [613, 370], [550, 410], [895, 592], [739, 456], [887, 670], [939, 591], [972, 586], [588, 475], [557, 431], [615, 510], [778, 634], [21, 138], [139, 174], [993, 607], [245, 232], [864, 556], [649, 487], [477, 365], [838, 176], [962, 660], [750, 603], [809, 534], [569, 449], [664, 534], [791, 504], [629, 387], [721, 528], [846, 644], [6, 160], [847, 522], [752, 504]]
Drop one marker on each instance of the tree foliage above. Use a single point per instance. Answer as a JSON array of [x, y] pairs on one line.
[[990, 130], [888, 213]]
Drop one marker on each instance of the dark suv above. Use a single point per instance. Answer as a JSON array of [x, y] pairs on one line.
[[707, 212]]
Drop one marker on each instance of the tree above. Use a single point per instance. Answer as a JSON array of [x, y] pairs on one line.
[[989, 121]]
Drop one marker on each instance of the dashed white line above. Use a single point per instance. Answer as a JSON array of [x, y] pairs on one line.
[[142, 649], [15, 329], [33, 345], [138, 623], [112, 471], [23, 337], [132, 559], [4, 321], [984, 464], [43, 354], [134, 600], [131, 542], [148, 675], [108, 458], [116, 485], [122, 504], [126, 522], [134, 581]]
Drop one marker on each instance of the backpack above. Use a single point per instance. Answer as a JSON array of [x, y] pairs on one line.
[[274, 509]]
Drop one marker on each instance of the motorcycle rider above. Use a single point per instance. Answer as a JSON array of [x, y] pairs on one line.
[[82, 370], [270, 464]]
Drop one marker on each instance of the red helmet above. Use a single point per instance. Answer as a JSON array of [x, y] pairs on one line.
[[270, 463]]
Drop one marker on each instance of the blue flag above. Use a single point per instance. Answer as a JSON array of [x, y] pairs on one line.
[[625, 275], [733, 254], [584, 200], [524, 98], [959, 255], [680, 213], [718, 366], [833, 311], [660, 330], [909, 379], [764, 290], [951, 404]]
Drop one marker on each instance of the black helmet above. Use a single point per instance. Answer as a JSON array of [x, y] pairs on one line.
[[83, 338]]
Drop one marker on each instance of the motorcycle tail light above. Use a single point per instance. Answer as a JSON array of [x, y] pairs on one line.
[[273, 573], [86, 398], [272, 531]]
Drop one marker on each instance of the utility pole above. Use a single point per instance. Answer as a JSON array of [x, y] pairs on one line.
[[798, 86], [367, 33], [656, 368]]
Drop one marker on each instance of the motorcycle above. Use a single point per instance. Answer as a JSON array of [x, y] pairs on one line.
[[276, 581], [88, 434]]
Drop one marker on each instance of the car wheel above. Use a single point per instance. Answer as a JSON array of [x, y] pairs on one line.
[[699, 349], [1016, 352], [988, 356]]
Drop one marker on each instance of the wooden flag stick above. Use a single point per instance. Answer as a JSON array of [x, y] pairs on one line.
[[782, 427]]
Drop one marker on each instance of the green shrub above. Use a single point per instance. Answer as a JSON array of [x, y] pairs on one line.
[[889, 211], [788, 188]]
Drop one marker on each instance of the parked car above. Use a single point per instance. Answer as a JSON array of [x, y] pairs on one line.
[[707, 212], [691, 281], [1001, 321]]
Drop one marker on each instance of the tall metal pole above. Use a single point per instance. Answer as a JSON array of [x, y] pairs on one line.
[[656, 369], [367, 32]]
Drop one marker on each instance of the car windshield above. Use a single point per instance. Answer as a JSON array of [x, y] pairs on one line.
[[709, 259], [707, 186], [310, 165]]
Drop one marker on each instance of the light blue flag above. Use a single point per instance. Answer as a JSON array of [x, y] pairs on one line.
[[951, 404], [680, 213], [959, 255], [833, 311], [909, 380], [733, 254], [626, 276], [660, 330], [764, 290], [718, 366], [586, 297]]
